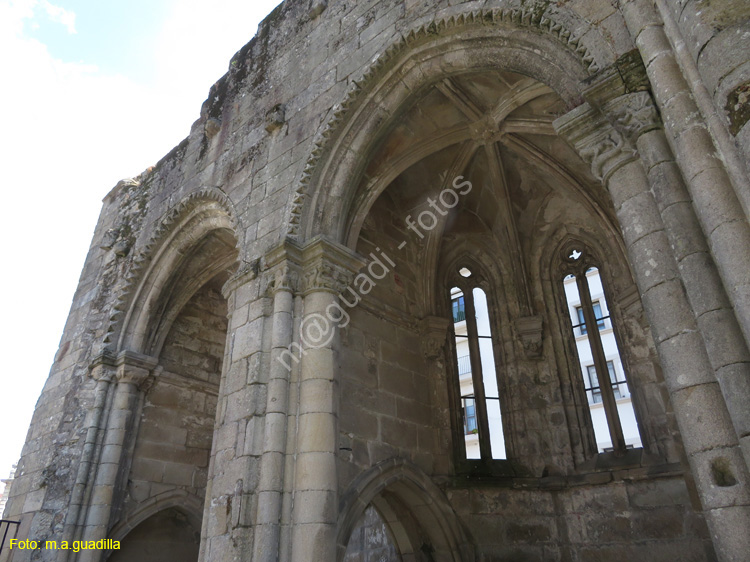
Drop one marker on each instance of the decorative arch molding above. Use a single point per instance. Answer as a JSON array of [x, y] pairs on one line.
[[182, 227], [513, 25], [392, 486], [547, 264], [609, 257], [185, 502], [492, 272]]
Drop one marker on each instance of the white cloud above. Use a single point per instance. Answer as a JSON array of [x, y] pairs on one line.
[[59, 14], [70, 132]]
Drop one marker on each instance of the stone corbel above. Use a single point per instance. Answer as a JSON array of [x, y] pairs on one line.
[[246, 273], [317, 7], [434, 330], [136, 369], [530, 333], [275, 118], [595, 140]]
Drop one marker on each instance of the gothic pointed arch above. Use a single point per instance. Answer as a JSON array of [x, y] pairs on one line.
[[601, 248], [166, 275], [462, 43], [419, 515], [188, 504]]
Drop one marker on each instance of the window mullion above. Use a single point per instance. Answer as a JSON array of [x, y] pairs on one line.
[[485, 447], [600, 364]]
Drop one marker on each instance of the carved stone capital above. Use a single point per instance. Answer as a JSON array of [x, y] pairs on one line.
[[136, 369], [327, 277], [530, 333], [595, 139], [284, 277], [103, 367], [282, 269], [434, 330], [633, 115], [329, 267]]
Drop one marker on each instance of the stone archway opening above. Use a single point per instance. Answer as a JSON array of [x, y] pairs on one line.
[[372, 539], [167, 535], [471, 176], [394, 513], [174, 424]]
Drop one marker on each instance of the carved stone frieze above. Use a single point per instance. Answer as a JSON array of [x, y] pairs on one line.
[[326, 277]]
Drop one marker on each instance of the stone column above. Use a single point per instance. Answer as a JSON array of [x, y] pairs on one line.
[[718, 208], [697, 37], [327, 270], [635, 116], [133, 373], [102, 370], [231, 500], [708, 435], [434, 334], [282, 281]]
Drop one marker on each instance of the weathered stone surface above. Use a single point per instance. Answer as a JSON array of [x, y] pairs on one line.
[[259, 354]]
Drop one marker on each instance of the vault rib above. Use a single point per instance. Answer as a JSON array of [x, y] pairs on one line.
[[460, 99]]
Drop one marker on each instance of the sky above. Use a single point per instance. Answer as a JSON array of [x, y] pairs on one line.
[[92, 92]]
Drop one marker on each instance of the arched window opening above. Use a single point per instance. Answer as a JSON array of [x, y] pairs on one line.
[[477, 375], [602, 369]]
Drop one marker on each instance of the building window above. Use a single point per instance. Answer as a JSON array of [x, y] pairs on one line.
[[593, 390], [602, 370], [464, 365], [582, 321], [470, 415], [475, 367], [459, 309]]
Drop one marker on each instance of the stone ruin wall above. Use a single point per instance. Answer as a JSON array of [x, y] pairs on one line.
[[250, 146]]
